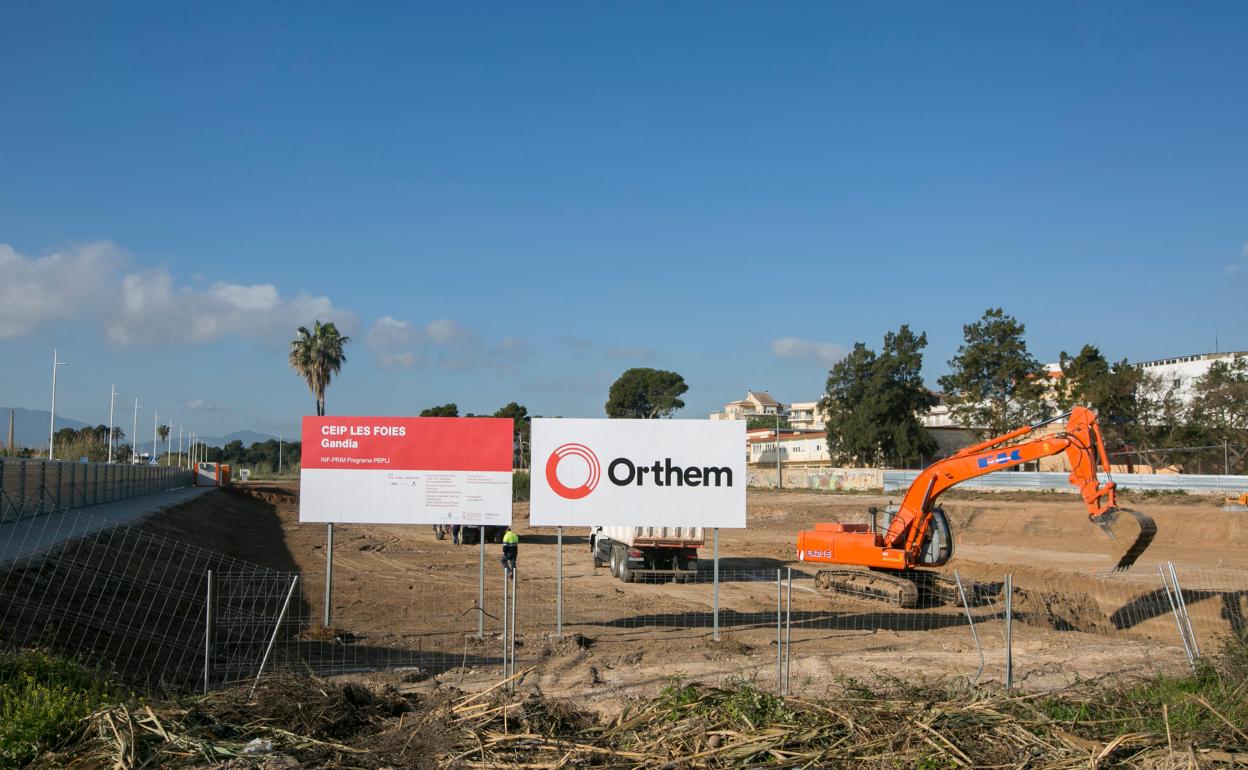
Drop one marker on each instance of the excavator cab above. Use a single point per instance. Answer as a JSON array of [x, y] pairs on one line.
[[936, 547]]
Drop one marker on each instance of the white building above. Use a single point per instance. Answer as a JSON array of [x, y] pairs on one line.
[[795, 448], [1182, 372]]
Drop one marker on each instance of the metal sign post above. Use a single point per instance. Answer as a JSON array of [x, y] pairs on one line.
[[559, 583], [329, 570], [715, 588]]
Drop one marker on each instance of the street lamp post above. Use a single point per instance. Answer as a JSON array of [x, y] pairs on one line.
[[52, 420], [111, 403], [155, 431], [134, 434]]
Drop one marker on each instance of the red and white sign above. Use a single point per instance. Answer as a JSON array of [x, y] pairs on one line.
[[406, 470], [638, 473]]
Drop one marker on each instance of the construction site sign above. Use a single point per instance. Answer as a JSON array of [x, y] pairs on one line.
[[645, 473], [406, 470]]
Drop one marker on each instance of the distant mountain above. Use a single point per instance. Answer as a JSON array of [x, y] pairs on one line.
[[248, 437], [30, 426], [30, 429]]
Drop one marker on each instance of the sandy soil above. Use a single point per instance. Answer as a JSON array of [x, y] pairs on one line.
[[399, 586]]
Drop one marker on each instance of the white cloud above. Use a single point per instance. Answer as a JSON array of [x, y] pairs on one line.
[[201, 405], [442, 343], [827, 353], [145, 306], [151, 309], [1235, 267], [45, 290]]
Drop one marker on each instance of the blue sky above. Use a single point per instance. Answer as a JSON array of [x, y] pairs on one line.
[[519, 201]]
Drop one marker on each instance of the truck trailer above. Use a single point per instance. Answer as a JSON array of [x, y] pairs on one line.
[[639, 553]]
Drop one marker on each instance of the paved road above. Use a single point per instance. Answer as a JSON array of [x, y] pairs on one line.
[[19, 539]]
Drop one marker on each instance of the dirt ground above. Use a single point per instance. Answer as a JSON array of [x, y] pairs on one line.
[[400, 587]]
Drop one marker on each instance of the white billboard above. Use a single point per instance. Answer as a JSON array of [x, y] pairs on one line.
[[642, 473]]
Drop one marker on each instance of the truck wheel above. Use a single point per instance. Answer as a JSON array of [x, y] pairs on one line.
[[615, 562], [439, 533], [626, 574], [593, 550]]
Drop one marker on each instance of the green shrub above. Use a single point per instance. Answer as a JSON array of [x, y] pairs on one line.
[[43, 699], [520, 487]]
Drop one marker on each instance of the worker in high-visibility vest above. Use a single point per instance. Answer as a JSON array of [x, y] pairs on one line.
[[511, 546]]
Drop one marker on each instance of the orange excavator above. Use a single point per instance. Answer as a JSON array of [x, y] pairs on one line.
[[884, 560]]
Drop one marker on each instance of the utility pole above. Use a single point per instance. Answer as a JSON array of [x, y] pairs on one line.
[[155, 431], [779, 474], [179, 446], [111, 402], [52, 420], [134, 436]]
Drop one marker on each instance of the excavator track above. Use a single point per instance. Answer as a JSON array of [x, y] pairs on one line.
[[1113, 525], [870, 585], [906, 589]]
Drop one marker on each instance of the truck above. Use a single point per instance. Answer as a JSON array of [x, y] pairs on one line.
[[638, 553]]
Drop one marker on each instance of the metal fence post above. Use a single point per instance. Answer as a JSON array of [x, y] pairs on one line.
[[329, 572], [971, 622], [506, 622], [515, 600], [208, 613], [1009, 632], [1178, 622], [715, 589], [788, 632], [481, 585], [1182, 602], [276, 628], [779, 638]]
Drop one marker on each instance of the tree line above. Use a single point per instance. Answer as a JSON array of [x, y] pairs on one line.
[[873, 401]]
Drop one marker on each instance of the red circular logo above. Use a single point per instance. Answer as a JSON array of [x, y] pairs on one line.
[[552, 468]]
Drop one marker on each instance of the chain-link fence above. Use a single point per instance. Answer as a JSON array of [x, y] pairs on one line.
[[164, 613], [30, 487]]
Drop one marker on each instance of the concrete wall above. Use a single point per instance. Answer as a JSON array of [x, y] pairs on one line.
[[846, 479]]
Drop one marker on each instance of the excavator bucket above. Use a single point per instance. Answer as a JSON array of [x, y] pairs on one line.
[[1128, 526]]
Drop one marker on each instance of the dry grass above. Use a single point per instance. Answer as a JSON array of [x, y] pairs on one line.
[[1195, 721]]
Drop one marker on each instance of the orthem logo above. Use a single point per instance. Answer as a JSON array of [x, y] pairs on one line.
[[552, 471]]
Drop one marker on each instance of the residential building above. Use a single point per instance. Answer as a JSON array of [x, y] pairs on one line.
[[806, 415], [757, 403]]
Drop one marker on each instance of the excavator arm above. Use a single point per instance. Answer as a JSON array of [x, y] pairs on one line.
[[1080, 441]]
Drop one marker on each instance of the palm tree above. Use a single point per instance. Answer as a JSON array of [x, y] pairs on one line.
[[163, 432], [317, 356]]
